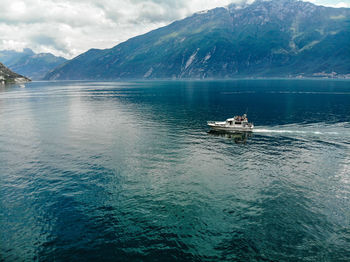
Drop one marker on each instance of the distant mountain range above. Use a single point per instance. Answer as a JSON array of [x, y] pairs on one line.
[[30, 64], [264, 39], [9, 77]]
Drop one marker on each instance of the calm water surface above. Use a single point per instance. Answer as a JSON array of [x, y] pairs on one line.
[[108, 171]]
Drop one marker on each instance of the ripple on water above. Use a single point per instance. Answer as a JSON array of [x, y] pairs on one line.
[[129, 171]]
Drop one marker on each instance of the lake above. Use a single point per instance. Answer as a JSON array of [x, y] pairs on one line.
[[127, 171]]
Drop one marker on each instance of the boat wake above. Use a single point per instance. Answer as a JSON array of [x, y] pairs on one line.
[[285, 131], [320, 129]]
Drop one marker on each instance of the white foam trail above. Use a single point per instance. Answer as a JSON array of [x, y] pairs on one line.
[[284, 131]]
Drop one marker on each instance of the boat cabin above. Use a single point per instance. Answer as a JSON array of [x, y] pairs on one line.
[[237, 120]]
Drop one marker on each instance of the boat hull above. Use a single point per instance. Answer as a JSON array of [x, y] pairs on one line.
[[231, 129]]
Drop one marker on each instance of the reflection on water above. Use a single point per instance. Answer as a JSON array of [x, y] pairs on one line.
[[128, 171], [237, 137]]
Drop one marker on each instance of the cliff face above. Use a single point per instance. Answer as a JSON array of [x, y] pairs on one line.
[[9, 77], [266, 38]]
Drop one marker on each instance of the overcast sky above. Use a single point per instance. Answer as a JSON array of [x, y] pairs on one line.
[[70, 27]]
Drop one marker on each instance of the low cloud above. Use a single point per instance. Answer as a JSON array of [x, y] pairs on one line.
[[331, 3]]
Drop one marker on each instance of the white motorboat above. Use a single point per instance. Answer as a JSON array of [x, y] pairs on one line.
[[235, 124]]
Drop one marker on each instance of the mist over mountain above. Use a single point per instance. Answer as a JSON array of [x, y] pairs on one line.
[[30, 64], [264, 39]]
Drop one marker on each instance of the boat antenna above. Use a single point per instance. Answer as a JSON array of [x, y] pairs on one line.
[[246, 111]]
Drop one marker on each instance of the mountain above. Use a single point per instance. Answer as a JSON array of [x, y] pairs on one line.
[[266, 38], [29, 63], [8, 77]]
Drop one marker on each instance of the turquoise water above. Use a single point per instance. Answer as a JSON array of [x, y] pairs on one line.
[[109, 171]]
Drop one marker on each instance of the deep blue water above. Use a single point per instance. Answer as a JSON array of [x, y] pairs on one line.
[[108, 171]]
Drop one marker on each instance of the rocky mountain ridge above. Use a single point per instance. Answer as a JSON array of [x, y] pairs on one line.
[[30, 64], [9, 77], [265, 39]]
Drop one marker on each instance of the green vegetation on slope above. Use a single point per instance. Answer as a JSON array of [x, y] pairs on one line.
[[9, 77], [266, 38]]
